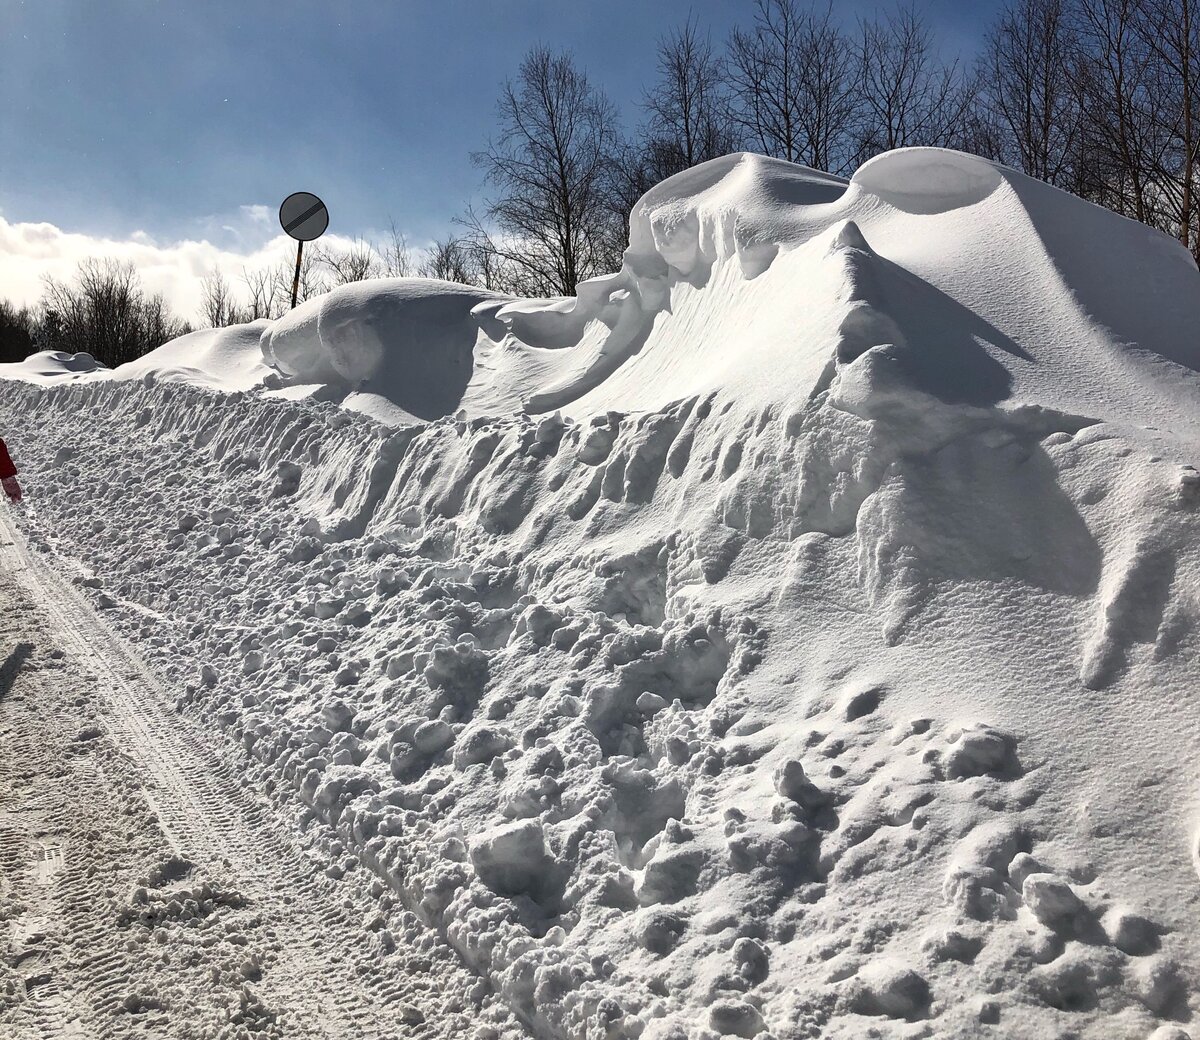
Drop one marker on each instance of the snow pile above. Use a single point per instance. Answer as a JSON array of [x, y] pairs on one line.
[[816, 660], [741, 272], [227, 359], [403, 348], [47, 367]]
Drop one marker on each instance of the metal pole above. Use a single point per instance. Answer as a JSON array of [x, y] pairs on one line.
[[296, 280]]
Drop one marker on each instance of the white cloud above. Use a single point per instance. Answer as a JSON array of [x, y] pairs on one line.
[[257, 214], [28, 252]]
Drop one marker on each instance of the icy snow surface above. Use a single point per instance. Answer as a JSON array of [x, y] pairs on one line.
[[795, 635]]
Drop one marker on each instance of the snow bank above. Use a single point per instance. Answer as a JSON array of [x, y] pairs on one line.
[[1002, 287], [405, 347], [738, 275], [225, 359], [813, 653]]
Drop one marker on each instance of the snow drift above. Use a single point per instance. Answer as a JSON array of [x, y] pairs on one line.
[[993, 286], [47, 367], [795, 634], [406, 347], [225, 359]]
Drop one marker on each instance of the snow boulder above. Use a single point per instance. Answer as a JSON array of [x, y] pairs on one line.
[[735, 1018], [511, 858], [889, 988], [1052, 901]]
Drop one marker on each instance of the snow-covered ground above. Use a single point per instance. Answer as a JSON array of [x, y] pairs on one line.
[[796, 635]]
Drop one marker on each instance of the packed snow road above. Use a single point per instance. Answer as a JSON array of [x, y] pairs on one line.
[[143, 889]]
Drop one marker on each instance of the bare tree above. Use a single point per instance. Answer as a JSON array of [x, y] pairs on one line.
[[311, 283], [831, 105], [688, 115], [354, 264], [633, 170], [449, 259], [794, 80], [491, 271], [982, 131], [1119, 82], [106, 313], [548, 167], [17, 326], [1029, 62], [910, 97], [158, 325], [263, 294], [1170, 29], [217, 305], [765, 73], [395, 255]]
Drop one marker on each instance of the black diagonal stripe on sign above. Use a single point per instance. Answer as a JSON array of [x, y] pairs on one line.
[[311, 211]]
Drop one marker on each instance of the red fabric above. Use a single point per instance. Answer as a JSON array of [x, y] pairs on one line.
[[7, 469]]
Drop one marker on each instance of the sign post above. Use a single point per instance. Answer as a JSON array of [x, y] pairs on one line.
[[296, 279], [305, 218]]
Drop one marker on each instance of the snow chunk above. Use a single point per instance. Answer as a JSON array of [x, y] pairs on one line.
[[511, 858], [1052, 901], [886, 987]]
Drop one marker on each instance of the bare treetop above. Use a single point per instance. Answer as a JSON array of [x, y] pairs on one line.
[[547, 167]]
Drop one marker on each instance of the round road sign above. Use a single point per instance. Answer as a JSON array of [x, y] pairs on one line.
[[304, 216]]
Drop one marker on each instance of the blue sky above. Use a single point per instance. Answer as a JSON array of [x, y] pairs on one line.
[[166, 132], [167, 117]]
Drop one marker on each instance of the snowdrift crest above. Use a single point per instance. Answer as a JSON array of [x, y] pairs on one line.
[[928, 180], [47, 367], [1003, 289]]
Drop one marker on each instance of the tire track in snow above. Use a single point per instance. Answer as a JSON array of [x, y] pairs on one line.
[[195, 804], [35, 829], [28, 868], [329, 975]]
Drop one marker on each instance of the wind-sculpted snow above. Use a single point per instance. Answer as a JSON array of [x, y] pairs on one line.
[[997, 280], [820, 663], [1004, 288], [47, 367], [225, 359], [403, 348]]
